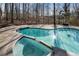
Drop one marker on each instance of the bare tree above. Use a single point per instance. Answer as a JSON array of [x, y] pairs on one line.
[[37, 12], [0, 12], [12, 8], [42, 12], [17, 8], [24, 11], [47, 8], [6, 12], [76, 9], [66, 8]]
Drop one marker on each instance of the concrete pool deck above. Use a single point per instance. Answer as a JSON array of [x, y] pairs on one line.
[[8, 36]]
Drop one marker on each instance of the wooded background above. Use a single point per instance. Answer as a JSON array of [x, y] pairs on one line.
[[38, 13]]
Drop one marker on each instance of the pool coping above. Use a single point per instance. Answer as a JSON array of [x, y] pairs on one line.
[[47, 27]]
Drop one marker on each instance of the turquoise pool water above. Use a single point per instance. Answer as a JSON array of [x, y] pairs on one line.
[[28, 47], [67, 38]]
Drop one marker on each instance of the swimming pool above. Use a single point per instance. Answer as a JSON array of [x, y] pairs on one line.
[[67, 38]]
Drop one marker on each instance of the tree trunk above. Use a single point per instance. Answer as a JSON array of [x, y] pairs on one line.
[[12, 7]]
